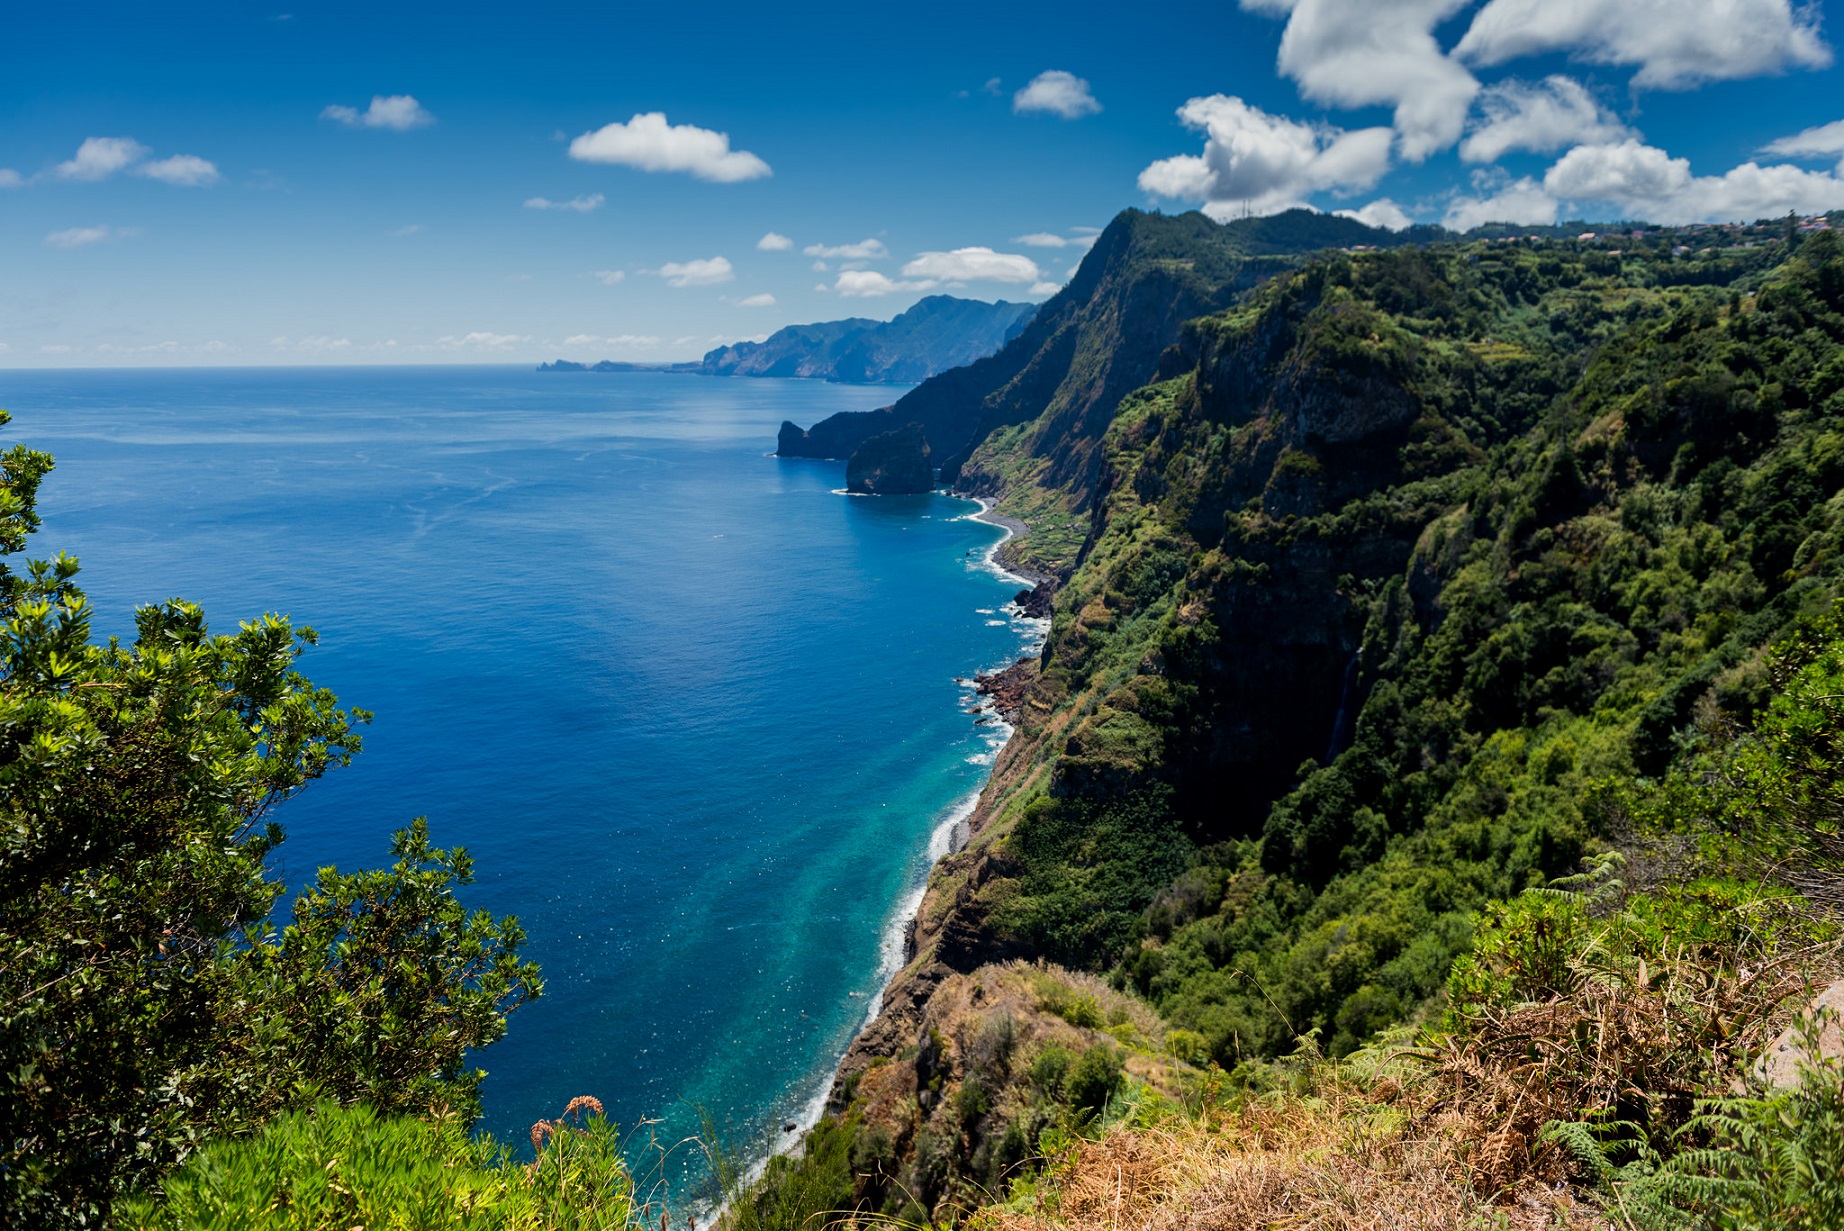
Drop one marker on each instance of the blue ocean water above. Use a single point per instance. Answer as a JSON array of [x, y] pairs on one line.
[[694, 712]]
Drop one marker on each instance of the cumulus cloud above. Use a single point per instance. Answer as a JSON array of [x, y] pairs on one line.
[[1825, 141], [1058, 93], [100, 157], [1381, 212], [774, 242], [83, 237], [705, 272], [973, 265], [764, 300], [1365, 53], [1265, 162], [581, 205], [1543, 117], [648, 143], [182, 170], [1524, 202], [610, 277], [1645, 181], [868, 284], [1046, 239], [397, 112], [1044, 288], [1677, 44], [863, 250], [10, 178]]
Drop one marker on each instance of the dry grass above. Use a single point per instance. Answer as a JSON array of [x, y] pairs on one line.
[[1449, 1135], [1628, 1044], [1337, 1161]]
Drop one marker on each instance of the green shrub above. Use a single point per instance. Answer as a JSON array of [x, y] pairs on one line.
[[1093, 1078], [350, 1166]]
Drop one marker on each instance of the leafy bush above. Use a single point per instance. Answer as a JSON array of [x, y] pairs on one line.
[[1093, 1078], [348, 1166]]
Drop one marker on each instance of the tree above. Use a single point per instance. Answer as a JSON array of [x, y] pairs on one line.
[[145, 1002]]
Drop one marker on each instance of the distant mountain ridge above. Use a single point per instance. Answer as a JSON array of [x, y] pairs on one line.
[[938, 333]]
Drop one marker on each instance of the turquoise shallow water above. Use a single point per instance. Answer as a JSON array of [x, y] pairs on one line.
[[694, 713]]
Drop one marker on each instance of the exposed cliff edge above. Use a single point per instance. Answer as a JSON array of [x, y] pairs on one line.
[[893, 464]]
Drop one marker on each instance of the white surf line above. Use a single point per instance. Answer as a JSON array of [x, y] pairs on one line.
[[892, 946]]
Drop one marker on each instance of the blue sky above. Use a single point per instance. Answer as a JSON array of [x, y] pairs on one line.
[[195, 183]]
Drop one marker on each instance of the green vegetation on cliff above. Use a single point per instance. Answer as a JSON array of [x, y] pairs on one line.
[[1418, 578]]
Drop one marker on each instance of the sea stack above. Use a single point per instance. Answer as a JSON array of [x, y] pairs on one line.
[[891, 464]]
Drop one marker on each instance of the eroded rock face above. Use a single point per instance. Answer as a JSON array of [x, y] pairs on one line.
[[892, 464]]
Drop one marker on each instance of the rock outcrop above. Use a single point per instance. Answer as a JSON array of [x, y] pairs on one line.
[[893, 464]]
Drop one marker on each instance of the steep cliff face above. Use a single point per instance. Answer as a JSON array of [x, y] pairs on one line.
[[1094, 341], [893, 464]]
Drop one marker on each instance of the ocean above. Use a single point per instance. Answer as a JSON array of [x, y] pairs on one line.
[[698, 716]]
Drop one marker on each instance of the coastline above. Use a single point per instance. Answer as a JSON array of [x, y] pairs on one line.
[[1013, 529], [949, 835]]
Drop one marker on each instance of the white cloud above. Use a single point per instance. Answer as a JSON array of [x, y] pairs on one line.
[[1044, 288], [1825, 141], [972, 265], [1677, 44], [610, 276], [83, 237], [648, 143], [581, 205], [1381, 212], [10, 178], [868, 284], [1543, 117], [182, 170], [704, 272], [1058, 93], [820, 267], [624, 341], [1364, 53], [764, 300], [397, 112], [773, 242], [1045, 239], [100, 157], [1524, 202], [1264, 162], [314, 345], [480, 339], [1646, 182], [863, 250]]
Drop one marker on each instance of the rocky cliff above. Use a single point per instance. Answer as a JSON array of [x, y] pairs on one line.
[[893, 464]]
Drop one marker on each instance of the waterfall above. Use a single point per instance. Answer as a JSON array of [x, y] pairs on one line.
[[1344, 707]]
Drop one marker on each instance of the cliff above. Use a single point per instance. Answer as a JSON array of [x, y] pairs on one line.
[[1400, 562], [1096, 339], [893, 464], [940, 332]]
